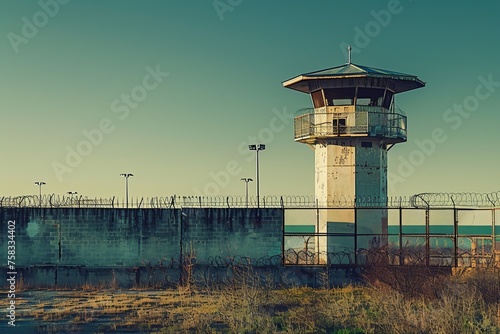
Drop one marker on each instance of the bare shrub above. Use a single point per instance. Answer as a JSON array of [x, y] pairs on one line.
[[411, 280], [188, 260], [243, 302], [486, 281], [343, 310], [459, 309]]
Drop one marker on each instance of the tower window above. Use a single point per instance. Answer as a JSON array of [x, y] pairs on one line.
[[339, 125], [340, 96], [370, 97], [317, 98], [339, 122]]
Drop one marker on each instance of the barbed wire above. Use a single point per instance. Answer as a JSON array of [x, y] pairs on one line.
[[423, 200], [382, 256], [468, 199]]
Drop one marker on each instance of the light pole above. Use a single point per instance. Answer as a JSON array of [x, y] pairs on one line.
[[257, 148], [40, 184], [126, 176], [246, 180]]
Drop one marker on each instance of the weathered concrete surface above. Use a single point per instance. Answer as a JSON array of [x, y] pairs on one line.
[[55, 245]]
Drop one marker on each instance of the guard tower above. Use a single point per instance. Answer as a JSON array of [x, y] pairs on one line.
[[353, 124]]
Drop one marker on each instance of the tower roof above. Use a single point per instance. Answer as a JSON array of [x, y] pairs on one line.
[[401, 82]]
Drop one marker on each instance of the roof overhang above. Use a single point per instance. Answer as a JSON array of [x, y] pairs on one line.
[[399, 82]]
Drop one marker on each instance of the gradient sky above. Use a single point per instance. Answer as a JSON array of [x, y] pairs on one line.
[[225, 61]]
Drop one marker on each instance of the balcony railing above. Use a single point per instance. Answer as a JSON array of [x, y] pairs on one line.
[[365, 122]]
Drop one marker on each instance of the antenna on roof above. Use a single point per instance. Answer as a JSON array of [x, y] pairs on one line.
[[349, 54]]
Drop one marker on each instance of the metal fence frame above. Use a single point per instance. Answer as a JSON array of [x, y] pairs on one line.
[[400, 253]]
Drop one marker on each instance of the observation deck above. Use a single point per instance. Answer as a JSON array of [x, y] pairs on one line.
[[315, 125]]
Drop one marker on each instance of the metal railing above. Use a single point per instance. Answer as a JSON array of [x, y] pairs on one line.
[[366, 120]]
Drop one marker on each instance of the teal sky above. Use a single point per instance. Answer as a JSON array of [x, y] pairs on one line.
[[186, 132]]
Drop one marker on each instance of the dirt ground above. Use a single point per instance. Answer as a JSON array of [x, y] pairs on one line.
[[93, 311]]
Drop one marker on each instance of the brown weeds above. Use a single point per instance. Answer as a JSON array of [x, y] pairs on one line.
[[403, 301]]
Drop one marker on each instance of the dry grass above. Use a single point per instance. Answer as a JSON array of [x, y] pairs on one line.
[[466, 303], [133, 309]]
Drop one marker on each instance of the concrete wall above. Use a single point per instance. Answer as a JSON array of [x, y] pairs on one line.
[[110, 248], [209, 233], [134, 237]]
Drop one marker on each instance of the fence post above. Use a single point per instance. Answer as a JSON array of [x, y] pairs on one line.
[[283, 259], [401, 256], [427, 228], [493, 232], [355, 233], [494, 241], [455, 233], [317, 232], [427, 237]]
